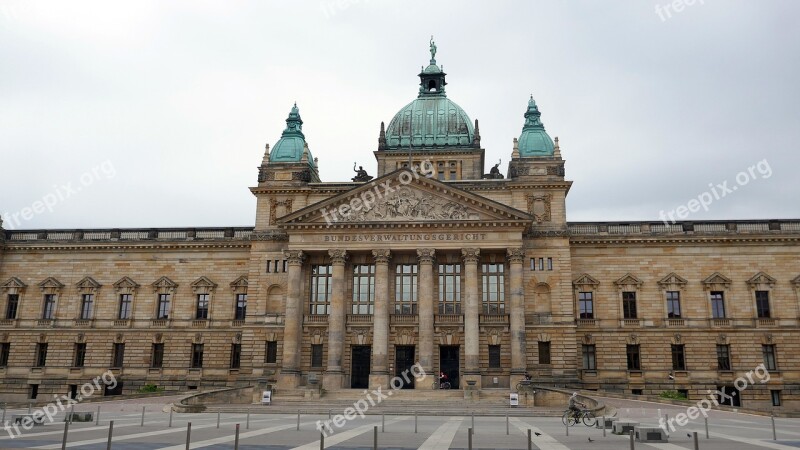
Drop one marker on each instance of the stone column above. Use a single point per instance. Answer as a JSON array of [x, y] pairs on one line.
[[471, 314], [379, 374], [293, 321], [516, 256], [333, 374], [425, 304]]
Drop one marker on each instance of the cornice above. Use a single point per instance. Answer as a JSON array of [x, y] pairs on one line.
[[135, 246], [673, 240]]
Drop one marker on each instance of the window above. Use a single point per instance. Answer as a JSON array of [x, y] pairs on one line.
[[449, 288], [629, 305], [363, 288], [405, 289], [125, 302], [49, 310], [197, 356], [723, 357], [157, 356], [494, 291], [717, 305], [163, 306], [80, 355], [271, 354], [776, 397], [321, 289], [494, 356], [118, 355], [241, 307], [269, 265], [87, 303], [589, 357], [236, 356], [637, 392], [5, 352], [34, 391], [533, 264], [762, 305], [769, 357], [201, 312], [678, 357], [542, 261], [544, 352], [634, 360], [12, 306], [673, 304], [316, 355], [586, 305], [41, 355], [549, 263]]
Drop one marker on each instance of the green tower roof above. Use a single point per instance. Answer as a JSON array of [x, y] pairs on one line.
[[292, 143], [534, 141]]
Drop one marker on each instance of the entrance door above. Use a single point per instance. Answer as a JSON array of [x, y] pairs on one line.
[[403, 361], [359, 370], [448, 363]]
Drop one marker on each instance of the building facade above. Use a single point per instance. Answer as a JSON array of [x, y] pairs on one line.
[[436, 261]]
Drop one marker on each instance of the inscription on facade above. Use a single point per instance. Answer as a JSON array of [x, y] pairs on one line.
[[406, 237]]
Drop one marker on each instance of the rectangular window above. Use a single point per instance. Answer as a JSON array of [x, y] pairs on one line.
[[269, 265], [41, 355], [271, 354], [283, 267], [629, 305], [494, 288], [236, 356], [533, 264], [321, 289], [776, 397], [80, 355], [549, 263], [197, 356], [119, 355], [544, 352], [678, 357], [586, 305], [49, 309], [316, 355], [762, 305], [673, 304], [717, 305], [589, 360], [449, 288], [34, 391], [241, 307], [634, 359], [541, 263], [163, 306], [202, 307], [5, 352], [494, 356], [87, 305], [769, 357], [12, 306], [125, 303], [723, 357], [157, 356], [363, 288], [405, 289]]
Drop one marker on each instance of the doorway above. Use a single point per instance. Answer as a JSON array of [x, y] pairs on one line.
[[359, 369], [730, 396], [403, 361], [448, 363]]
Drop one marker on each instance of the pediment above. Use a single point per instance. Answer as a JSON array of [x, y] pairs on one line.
[[403, 197], [203, 283], [796, 281], [164, 283], [717, 279], [88, 283], [51, 283], [125, 283], [585, 280], [672, 279], [13, 283], [240, 282], [628, 280], [761, 278]]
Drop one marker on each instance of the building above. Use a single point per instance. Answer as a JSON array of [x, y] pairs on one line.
[[433, 261]]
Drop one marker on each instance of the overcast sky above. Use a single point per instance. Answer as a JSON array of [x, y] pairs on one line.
[[155, 114]]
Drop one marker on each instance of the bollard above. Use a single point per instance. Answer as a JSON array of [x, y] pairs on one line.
[[705, 419], [143, 407], [321, 441], [469, 439], [530, 442], [632, 443], [5, 406], [375, 437], [473, 421], [217, 419], [298, 420], [247, 426], [604, 426], [415, 421], [71, 413], [170, 418], [30, 406], [329, 414], [696, 444], [64, 440], [110, 434], [383, 422], [188, 434], [236, 438], [506, 424], [774, 434], [97, 417]]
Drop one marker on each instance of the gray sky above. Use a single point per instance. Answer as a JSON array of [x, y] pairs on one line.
[[148, 113]]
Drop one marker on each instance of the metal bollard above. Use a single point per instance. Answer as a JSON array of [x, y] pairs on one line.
[[143, 408], [415, 421], [383, 422], [5, 406], [705, 419], [97, 417], [321, 441], [236, 439], [530, 442], [298, 420], [110, 434], [375, 437], [632, 443], [188, 434], [566, 427], [329, 414], [774, 433], [30, 406], [66, 432], [71, 414], [604, 426], [217, 419], [248, 420], [469, 439], [506, 424], [170, 418], [473, 421], [696, 444]]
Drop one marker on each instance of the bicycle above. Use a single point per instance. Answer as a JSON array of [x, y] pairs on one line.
[[438, 385], [571, 418]]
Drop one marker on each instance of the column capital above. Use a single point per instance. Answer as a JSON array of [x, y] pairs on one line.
[[382, 255], [426, 255], [294, 257], [516, 255], [338, 256], [471, 255]]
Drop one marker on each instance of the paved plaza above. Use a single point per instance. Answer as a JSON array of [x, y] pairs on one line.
[[395, 431]]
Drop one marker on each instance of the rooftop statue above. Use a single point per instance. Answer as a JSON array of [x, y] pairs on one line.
[[361, 174], [433, 49], [494, 172]]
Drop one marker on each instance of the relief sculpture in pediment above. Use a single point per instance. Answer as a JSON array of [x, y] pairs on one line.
[[408, 204]]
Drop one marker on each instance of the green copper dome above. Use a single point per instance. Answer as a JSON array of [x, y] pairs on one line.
[[292, 143], [534, 141]]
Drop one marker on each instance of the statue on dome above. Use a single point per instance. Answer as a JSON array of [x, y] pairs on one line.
[[494, 172], [361, 174], [433, 49]]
